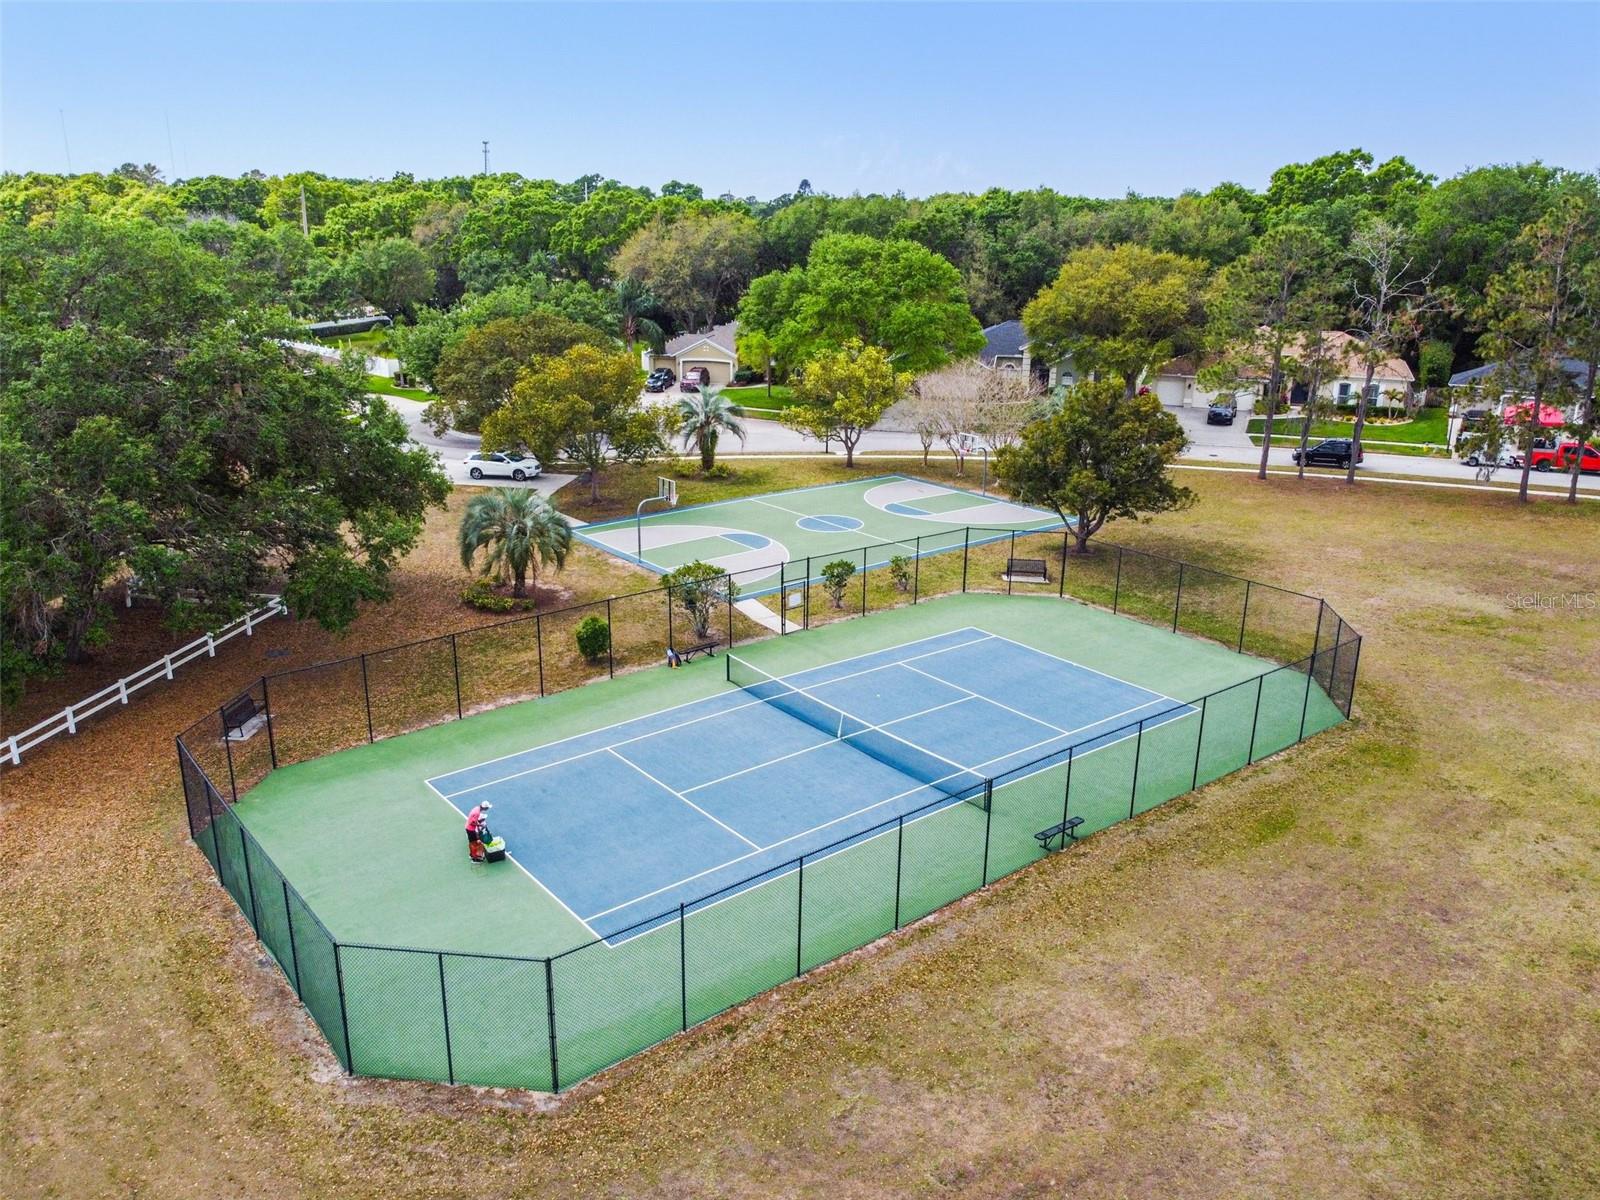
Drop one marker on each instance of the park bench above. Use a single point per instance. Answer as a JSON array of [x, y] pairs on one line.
[[1065, 830], [241, 719], [707, 647], [1026, 570]]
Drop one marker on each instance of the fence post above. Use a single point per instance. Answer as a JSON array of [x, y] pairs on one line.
[[216, 845], [1066, 793], [344, 1016], [1066, 542], [1316, 638], [966, 549], [899, 851], [1177, 603], [1199, 741], [1250, 755], [1333, 673], [294, 951], [1244, 614], [668, 593], [1305, 704], [805, 605], [730, 610], [916, 570], [366, 696], [988, 823], [1138, 745], [1349, 701], [538, 647], [444, 1007], [550, 1006], [799, 916], [611, 660], [266, 707], [863, 581], [455, 667], [1012, 554], [227, 747], [249, 880], [683, 966], [1116, 590]]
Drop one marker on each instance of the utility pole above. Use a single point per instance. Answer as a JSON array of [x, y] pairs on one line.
[[486, 157]]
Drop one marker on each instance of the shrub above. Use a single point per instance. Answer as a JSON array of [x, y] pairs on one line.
[[1434, 361], [900, 572], [480, 594], [836, 577], [594, 638], [701, 590], [747, 375]]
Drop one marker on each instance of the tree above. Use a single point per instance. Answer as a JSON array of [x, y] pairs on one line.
[[836, 576], [1392, 298], [1585, 342], [757, 352], [1102, 454], [149, 422], [1316, 357], [1535, 307], [634, 304], [477, 371], [696, 265], [702, 591], [1263, 305], [585, 239], [582, 405], [846, 390], [892, 294], [1117, 312], [703, 417], [518, 530], [393, 275], [1485, 443]]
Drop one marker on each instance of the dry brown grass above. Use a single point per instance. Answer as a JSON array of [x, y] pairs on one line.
[[1366, 968]]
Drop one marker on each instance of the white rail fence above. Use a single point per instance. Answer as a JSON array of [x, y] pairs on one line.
[[70, 717]]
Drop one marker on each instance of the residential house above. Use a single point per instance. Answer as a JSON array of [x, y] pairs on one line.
[[1177, 383], [714, 351], [1005, 348], [1494, 374]]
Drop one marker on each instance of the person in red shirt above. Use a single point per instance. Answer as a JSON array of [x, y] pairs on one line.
[[478, 830]]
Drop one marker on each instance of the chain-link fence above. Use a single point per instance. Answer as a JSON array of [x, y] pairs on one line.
[[546, 1023]]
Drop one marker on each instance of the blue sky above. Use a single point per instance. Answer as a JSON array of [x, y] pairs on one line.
[[1087, 98]]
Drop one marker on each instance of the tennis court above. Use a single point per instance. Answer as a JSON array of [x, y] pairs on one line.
[[755, 538], [721, 793]]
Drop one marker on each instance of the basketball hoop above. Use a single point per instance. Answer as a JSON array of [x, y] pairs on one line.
[[968, 443], [666, 496]]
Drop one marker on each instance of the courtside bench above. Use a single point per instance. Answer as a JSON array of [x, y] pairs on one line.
[[1066, 831], [707, 647], [1026, 570]]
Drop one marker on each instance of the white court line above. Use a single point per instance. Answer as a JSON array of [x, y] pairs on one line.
[[997, 703], [691, 703], [877, 538], [1103, 675], [681, 796], [537, 881]]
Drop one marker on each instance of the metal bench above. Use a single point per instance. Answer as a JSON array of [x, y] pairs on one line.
[[708, 647], [242, 720], [1067, 831], [1026, 570]]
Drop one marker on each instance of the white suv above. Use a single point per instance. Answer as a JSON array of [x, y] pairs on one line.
[[517, 466]]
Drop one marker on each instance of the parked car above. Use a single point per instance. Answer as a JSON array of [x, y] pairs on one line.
[[1559, 458], [1330, 452], [660, 379], [511, 465], [1508, 457], [694, 379], [1222, 413]]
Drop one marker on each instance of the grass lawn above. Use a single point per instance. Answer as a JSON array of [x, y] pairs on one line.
[[373, 341], [385, 386], [1424, 435], [755, 399], [1367, 967]]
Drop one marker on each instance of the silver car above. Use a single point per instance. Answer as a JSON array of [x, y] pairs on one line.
[[509, 464]]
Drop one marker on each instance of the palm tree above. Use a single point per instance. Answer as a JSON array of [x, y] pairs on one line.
[[702, 416], [634, 300], [519, 529]]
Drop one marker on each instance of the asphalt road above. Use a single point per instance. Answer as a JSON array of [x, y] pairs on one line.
[[1223, 445]]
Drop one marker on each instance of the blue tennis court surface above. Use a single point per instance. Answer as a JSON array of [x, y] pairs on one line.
[[623, 824]]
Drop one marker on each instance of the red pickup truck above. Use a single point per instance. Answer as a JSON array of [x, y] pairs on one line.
[[1559, 457]]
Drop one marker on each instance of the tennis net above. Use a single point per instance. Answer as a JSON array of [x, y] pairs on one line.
[[909, 759]]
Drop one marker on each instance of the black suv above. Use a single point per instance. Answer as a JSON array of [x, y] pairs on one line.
[[1221, 413], [660, 379], [1330, 452]]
